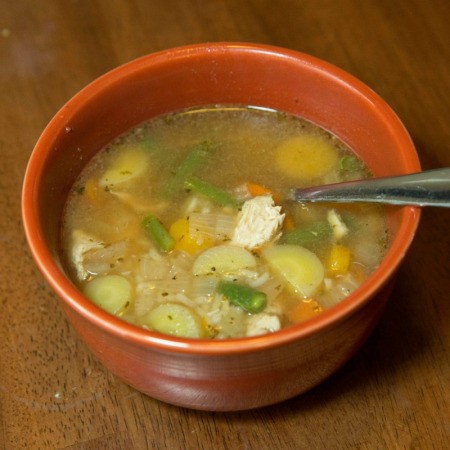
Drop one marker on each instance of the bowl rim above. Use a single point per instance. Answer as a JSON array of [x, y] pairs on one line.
[[73, 298]]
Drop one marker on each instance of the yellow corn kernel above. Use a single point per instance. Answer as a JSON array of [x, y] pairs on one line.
[[186, 242], [338, 260]]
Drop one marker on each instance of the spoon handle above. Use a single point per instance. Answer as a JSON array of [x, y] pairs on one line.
[[428, 188]]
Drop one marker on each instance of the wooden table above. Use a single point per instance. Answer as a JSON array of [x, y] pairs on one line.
[[393, 394]]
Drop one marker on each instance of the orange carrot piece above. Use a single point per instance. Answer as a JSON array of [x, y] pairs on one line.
[[256, 190], [288, 223], [304, 310]]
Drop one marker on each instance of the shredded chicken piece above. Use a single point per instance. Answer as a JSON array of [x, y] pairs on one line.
[[262, 324], [337, 224], [258, 222], [83, 243]]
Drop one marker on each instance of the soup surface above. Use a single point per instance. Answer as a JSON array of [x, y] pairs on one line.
[[184, 225]]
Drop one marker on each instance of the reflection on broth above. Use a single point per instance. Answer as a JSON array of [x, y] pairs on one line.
[[180, 226]]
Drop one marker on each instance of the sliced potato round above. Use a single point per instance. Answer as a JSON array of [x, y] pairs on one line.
[[223, 259], [128, 165], [298, 265], [174, 319], [306, 156], [111, 292]]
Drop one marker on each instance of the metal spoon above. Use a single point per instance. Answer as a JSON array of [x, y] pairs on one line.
[[428, 188]]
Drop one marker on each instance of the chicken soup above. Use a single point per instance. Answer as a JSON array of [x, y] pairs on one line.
[[184, 224]]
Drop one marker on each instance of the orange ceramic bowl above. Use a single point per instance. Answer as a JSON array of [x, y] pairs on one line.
[[234, 374]]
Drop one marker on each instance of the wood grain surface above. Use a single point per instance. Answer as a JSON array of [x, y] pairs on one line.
[[394, 394]]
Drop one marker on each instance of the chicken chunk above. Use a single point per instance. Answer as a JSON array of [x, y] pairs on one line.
[[258, 222], [262, 324], [81, 244], [337, 224]]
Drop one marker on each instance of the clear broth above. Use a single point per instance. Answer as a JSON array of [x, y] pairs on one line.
[[103, 232]]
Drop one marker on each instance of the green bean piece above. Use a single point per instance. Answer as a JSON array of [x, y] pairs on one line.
[[212, 192], [307, 236], [159, 235], [194, 160], [247, 298]]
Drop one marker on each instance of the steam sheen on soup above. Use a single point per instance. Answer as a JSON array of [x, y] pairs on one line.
[[184, 225]]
